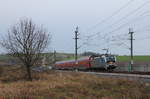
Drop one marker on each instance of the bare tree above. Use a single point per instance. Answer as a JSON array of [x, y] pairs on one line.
[[26, 41]]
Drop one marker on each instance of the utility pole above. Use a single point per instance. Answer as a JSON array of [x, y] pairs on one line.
[[131, 49], [76, 44], [54, 56]]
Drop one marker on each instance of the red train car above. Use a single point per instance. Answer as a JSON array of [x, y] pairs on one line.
[[82, 63]]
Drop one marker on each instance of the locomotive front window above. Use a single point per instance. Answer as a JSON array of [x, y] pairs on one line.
[[102, 60], [112, 59]]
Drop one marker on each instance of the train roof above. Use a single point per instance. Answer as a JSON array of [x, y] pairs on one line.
[[82, 58]]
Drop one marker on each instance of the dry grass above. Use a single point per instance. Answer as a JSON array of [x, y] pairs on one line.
[[56, 85]]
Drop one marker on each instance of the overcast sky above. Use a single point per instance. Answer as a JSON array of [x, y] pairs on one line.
[[103, 17]]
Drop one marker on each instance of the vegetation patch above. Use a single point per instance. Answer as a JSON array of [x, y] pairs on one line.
[[136, 58], [68, 85]]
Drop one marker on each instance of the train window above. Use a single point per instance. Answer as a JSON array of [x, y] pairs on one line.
[[111, 58], [102, 60]]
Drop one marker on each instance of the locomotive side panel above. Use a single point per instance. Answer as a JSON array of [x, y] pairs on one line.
[[83, 64], [103, 62], [98, 63]]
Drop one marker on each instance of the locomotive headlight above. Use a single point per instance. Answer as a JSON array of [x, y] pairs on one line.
[[110, 63]]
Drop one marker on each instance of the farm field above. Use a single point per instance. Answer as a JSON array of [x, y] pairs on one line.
[[120, 58], [136, 58], [58, 85]]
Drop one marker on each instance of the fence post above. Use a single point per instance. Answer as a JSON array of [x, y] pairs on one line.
[[129, 67], [147, 68]]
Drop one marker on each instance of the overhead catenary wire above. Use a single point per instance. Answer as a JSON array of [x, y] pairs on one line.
[[123, 18], [123, 25], [129, 14], [122, 44], [121, 37], [144, 38], [145, 29], [112, 15], [118, 28]]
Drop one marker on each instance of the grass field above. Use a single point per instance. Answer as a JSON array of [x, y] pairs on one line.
[[69, 85], [124, 58], [136, 58], [4, 57]]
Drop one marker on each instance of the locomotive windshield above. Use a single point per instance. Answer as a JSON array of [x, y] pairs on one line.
[[111, 59], [102, 60]]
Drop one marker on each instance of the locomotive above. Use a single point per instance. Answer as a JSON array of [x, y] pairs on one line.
[[105, 62]]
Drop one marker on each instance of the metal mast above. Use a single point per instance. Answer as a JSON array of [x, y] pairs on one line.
[[76, 44], [131, 49]]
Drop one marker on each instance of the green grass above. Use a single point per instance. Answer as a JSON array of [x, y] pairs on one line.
[[136, 58], [119, 58], [4, 57]]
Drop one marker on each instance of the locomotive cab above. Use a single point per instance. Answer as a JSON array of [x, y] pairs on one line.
[[110, 62], [106, 62], [98, 62]]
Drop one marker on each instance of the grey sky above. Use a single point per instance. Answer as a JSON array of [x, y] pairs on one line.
[[61, 17]]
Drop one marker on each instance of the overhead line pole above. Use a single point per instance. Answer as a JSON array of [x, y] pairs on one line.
[[54, 56], [131, 49], [76, 44]]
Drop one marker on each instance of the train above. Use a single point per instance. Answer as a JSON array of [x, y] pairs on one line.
[[93, 62]]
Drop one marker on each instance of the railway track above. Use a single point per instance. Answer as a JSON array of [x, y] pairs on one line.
[[138, 77]]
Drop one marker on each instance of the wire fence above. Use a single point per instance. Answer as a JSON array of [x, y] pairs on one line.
[[134, 68]]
